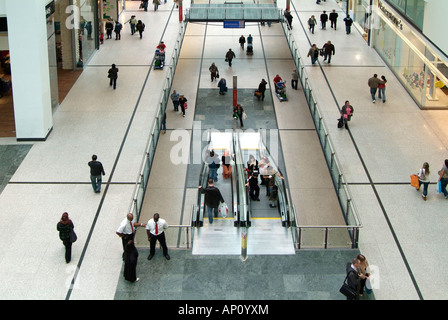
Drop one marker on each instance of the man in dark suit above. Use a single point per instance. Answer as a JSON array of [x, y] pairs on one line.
[[333, 19], [354, 277]]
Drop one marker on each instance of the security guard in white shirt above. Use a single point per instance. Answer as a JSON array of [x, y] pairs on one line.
[[155, 229], [127, 228]]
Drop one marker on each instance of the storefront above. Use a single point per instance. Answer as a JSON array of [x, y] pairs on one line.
[[419, 67]]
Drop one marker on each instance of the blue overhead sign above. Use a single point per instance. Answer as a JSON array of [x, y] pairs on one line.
[[234, 24]]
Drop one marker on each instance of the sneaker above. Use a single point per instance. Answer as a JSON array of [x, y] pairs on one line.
[[424, 198], [373, 101]]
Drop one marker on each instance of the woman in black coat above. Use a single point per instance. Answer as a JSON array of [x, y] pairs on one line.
[[262, 88], [113, 76], [130, 262], [65, 227]]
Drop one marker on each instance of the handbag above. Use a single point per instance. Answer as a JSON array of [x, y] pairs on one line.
[[73, 236], [414, 181], [244, 115], [346, 290], [185, 106], [340, 122]]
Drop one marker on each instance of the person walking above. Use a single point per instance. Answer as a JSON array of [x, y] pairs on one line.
[[118, 27], [346, 113], [250, 39], [374, 83], [132, 23], [156, 4], [242, 41], [294, 79], [183, 104], [288, 17], [126, 230], [230, 55], [313, 53], [222, 84], [348, 24], [324, 19], [145, 5], [109, 28], [155, 229], [164, 122], [333, 19], [312, 23], [443, 178], [175, 99], [262, 88], [213, 165], [96, 170], [65, 227], [328, 49], [212, 199], [140, 28], [130, 262], [214, 72], [113, 76], [238, 114], [423, 179], [382, 89]]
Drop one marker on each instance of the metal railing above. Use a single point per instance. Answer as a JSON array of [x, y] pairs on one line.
[[141, 183], [324, 236]]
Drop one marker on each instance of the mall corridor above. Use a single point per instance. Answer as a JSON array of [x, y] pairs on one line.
[[403, 237]]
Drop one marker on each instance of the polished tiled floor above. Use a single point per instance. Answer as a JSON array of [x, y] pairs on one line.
[[402, 236]]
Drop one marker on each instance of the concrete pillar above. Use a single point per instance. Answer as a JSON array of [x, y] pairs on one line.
[[27, 36]]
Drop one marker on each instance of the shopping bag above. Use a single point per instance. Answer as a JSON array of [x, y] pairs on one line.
[[340, 122], [223, 210], [439, 187], [414, 181], [244, 115]]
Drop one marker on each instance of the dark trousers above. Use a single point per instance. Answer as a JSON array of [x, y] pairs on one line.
[[162, 241], [68, 250], [333, 24], [113, 81], [254, 192], [125, 239], [230, 62], [294, 84]]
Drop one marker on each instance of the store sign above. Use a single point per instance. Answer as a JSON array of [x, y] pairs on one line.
[[234, 24], [395, 20]]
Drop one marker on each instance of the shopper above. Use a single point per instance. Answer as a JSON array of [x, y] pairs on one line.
[[262, 88], [133, 23], [222, 85], [443, 177], [324, 19], [346, 113], [348, 24], [312, 23], [328, 49], [226, 160], [238, 112], [288, 17], [353, 277], [214, 72], [140, 28], [313, 53], [212, 199], [363, 271], [230, 55], [382, 89], [96, 170], [333, 19], [294, 79], [65, 227], [109, 28], [118, 27], [156, 4], [374, 83], [113, 76], [175, 99], [164, 122], [130, 262], [423, 179], [213, 165], [155, 229], [145, 4], [242, 41], [183, 104], [254, 188]]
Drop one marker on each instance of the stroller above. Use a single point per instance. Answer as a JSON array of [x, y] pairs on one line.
[[250, 49], [280, 91]]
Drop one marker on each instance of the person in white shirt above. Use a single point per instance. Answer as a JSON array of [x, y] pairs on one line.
[[155, 229], [126, 230]]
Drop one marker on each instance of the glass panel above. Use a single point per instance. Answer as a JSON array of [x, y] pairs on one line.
[[86, 32], [339, 238], [415, 10], [312, 238]]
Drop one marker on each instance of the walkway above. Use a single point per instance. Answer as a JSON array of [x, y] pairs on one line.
[[53, 177]]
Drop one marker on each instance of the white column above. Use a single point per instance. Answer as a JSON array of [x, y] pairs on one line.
[[27, 36]]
